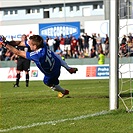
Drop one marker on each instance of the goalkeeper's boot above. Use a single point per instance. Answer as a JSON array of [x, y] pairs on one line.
[[60, 95], [72, 70], [15, 85]]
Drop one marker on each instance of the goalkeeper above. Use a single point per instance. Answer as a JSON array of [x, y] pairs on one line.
[[47, 61]]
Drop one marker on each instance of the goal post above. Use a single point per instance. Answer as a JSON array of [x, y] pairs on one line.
[[114, 60]]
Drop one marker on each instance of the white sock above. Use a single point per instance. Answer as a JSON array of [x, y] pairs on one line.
[[58, 88], [63, 63]]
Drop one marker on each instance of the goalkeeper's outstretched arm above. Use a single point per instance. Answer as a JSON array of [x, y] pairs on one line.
[[14, 50]]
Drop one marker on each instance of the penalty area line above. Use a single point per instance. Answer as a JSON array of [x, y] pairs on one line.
[[55, 122]]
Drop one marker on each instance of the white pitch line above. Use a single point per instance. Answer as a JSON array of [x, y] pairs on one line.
[[55, 122]]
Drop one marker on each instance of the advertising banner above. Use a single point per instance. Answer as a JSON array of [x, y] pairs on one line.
[[56, 29], [84, 72], [97, 71]]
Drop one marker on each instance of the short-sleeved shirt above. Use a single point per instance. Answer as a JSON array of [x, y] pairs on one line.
[[45, 60], [22, 63]]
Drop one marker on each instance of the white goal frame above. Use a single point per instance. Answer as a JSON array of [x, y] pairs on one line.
[[114, 41]]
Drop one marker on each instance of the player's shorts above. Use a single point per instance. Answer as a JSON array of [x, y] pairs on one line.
[[23, 65], [86, 46], [62, 47], [52, 79], [67, 47]]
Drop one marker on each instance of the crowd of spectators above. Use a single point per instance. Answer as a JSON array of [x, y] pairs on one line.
[[126, 46], [85, 46]]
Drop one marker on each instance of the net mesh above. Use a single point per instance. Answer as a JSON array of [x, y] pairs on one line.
[[126, 86], [126, 74]]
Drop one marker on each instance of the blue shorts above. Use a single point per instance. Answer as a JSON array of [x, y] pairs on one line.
[[51, 80]]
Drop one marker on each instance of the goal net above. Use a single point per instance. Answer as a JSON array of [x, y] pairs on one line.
[[126, 66]]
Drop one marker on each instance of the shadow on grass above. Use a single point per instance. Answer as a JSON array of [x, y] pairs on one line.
[[89, 97], [126, 95]]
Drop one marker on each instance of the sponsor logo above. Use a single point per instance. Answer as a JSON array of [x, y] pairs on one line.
[[18, 36], [91, 71], [97, 71], [12, 73], [103, 71], [57, 30], [34, 73]]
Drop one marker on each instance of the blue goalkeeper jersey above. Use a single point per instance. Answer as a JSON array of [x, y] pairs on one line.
[[45, 60]]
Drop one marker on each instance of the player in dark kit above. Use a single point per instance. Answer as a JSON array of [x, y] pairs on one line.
[[47, 61], [23, 64]]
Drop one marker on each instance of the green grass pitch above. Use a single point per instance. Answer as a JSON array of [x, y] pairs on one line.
[[37, 109]]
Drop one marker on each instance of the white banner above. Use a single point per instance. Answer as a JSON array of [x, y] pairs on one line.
[[16, 31], [102, 27], [84, 72]]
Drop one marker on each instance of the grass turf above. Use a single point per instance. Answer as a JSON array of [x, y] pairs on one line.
[[25, 106]]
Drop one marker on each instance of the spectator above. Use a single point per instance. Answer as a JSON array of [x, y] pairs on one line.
[[80, 44], [59, 52], [130, 36], [81, 54], [67, 45], [131, 48], [98, 43], [86, 42], [124, 40], [106, 45], [92, 52], [1, 51], [51, 44], [47, 38], [74, 48], [101, 57], [62, 41], [123, 47], [94, 40], [129, 43], [9, 55], [57, 43]]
